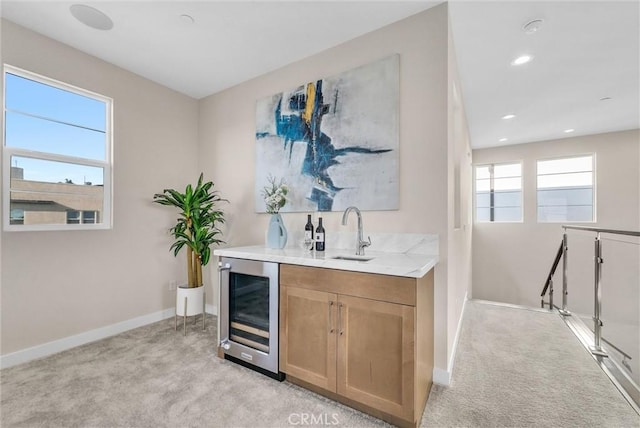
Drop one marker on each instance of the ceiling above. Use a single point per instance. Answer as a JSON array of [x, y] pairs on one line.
[[228, 43], [583, 52]]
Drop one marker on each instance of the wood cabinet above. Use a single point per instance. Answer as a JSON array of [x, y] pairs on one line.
[[363, 339], [310, 339]]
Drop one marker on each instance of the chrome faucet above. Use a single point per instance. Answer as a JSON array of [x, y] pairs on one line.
[[360, 244]]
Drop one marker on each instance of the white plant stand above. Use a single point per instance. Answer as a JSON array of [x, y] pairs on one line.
[[190, 302]]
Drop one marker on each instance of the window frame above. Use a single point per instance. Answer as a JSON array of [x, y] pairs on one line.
[[475, 191], [594, 210], [9, 152]]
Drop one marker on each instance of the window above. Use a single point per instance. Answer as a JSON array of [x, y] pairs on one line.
[[16, 216], [499, 192], [89, 217], [82, 217], [57, 155], [565, 189], [73, 217]]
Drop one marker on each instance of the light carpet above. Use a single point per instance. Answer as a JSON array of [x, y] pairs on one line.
[[513, 368], [154, 376], [523, 368]]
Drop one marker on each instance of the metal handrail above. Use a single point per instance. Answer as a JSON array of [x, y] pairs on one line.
[[561, 254], [596, 349], [549, 282], [601, 230], [613, 368]]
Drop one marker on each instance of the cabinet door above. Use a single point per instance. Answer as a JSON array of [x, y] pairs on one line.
[[308, 336], [375, 354]]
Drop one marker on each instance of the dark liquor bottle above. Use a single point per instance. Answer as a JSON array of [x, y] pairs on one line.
[[320, 236], [308, 232]]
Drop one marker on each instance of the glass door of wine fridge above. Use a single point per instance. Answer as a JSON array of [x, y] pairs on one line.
[[249, 313], [249, 310]]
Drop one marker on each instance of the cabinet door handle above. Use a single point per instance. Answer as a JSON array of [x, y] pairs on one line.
[[330, 320], [340, 318]]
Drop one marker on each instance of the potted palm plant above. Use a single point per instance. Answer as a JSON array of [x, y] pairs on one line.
[[196, 229]]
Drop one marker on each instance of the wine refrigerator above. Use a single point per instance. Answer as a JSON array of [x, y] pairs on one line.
[[249, 314]]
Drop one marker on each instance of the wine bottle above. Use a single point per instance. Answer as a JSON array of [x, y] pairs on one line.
[[320, 236], [308, 232]]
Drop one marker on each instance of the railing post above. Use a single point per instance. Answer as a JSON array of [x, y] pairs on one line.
[[565, 274], [596, 349]]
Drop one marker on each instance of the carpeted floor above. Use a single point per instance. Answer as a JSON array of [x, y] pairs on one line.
[[155, 377], [523, 368]]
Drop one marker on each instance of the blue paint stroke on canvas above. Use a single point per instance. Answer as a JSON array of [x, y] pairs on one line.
[[304, 126]]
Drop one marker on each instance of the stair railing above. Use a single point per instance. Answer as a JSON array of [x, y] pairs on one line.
[[596, 349], [620, 372], [548, 285]]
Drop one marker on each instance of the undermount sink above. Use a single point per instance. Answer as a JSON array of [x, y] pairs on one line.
[[353, 258]]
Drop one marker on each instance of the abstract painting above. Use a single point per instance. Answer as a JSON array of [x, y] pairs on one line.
[[333, 141]]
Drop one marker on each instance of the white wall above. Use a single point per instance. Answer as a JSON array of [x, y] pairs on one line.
[[512, 260], [60, 284], [227, 144], [88, 280], [459, 209]]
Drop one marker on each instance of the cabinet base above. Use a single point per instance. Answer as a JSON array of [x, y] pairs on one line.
[[394, 420]]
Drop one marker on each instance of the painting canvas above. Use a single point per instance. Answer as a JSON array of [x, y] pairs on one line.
[[333, 141]]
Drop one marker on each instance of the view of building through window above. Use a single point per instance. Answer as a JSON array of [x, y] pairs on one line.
[[499, 192], [57, 144], [565, 189]]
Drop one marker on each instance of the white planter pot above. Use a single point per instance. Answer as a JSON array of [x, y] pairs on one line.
[[194, 298]]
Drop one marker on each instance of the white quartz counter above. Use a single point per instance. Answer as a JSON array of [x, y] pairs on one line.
[[409, 260]]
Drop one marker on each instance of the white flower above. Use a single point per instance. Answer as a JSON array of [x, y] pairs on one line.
[[275, 195]]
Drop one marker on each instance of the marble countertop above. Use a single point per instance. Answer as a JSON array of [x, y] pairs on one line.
[[408, 260]]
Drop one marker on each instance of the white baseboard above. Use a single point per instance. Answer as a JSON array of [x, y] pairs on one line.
[[63, 344], [456, 339], [443, 377]]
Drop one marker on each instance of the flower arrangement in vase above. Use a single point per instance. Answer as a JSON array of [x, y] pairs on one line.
[[275, 197]]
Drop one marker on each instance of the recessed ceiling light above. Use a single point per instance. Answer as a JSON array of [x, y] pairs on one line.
[[502, 140], [91, 17], [568, 131], [532, 26], [523, 59], [508, 116]]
